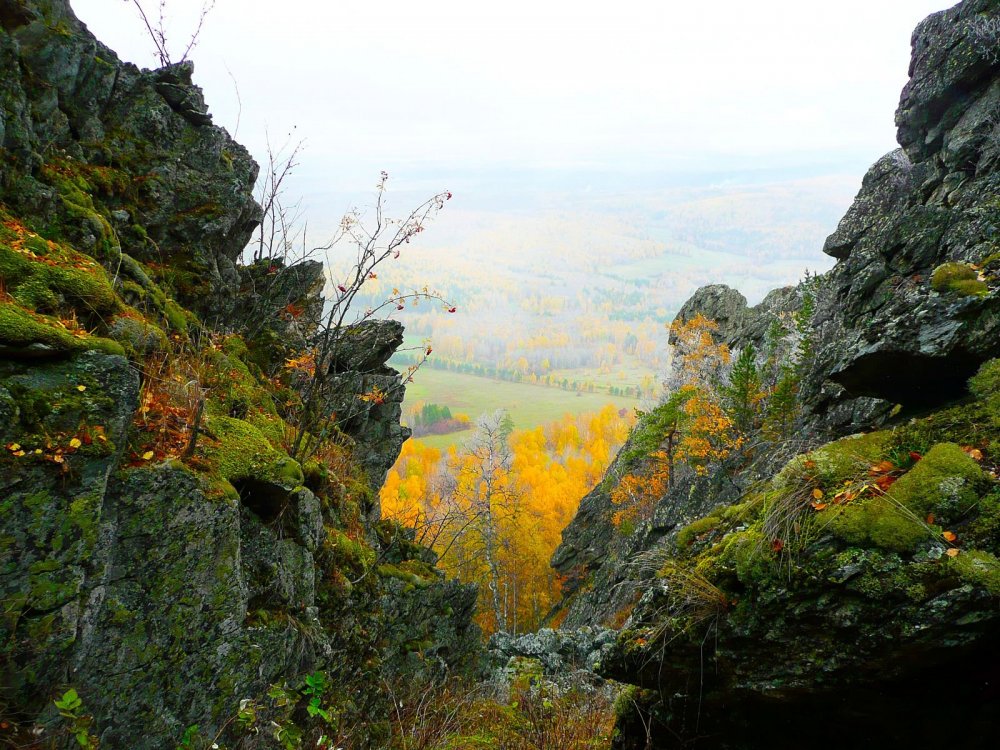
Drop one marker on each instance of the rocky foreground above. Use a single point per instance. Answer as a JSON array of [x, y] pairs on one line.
[[839, 586], [162, 554]]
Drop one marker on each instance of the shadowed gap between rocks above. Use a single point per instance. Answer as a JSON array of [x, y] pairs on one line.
[[265, 500], [913, 380]]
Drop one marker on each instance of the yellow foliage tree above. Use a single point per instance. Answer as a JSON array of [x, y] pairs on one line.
[[533, 487]]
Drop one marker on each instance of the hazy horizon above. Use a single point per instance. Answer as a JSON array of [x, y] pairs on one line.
[[729, 139]]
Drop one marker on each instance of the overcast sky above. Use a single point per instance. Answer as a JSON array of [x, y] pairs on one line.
[[458, 85]]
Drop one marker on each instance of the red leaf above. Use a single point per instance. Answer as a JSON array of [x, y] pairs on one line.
[[777, 545], [885, 481]]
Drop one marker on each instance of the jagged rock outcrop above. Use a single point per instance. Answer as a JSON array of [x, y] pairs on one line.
[[161, 551], [889, 324], [367, 395], [574, 655], [600, 563], [79, 126], [810, 595]]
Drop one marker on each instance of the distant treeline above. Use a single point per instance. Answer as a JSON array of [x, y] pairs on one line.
[[516, 376], [433, 419]]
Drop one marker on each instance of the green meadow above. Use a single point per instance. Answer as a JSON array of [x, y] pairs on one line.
[[529, 405]]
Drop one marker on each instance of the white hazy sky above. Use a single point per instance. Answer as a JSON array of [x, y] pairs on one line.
[[452, 86]]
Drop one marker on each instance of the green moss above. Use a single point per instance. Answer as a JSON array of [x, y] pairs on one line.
[[49, 276], [348, 552], [233, 390], [690, 533], [979, 568], [76, 193], [970, 288], [946, 482], [140, 289], [985, 384], [958, 278], [984, 531], [834, 463], [20, 328], [239, 451], [968, 424], [177, 318], [416, 574], [879, 523]]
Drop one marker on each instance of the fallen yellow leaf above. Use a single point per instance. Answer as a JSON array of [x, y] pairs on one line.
[[75, 443], [953, 552], [949, 536], [818, 493], [147, 455], [81, 388]]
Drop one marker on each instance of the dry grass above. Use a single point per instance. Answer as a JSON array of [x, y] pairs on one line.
[[460, 717]]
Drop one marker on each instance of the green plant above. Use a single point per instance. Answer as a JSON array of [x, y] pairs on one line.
[[189, 740], [314, 689], [70, 707]]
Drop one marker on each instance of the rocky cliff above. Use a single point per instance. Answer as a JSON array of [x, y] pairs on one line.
[[161, 552], [834, 588]]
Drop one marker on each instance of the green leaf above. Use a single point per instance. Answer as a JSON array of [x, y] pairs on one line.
[[70, 701]]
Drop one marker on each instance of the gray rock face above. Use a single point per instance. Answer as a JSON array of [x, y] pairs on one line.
[[558, 651], [167, 592], [367, 396], [910, 311], [121, 159], [882, 328], [124, 579]]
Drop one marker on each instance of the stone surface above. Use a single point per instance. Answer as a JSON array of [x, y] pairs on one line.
[[366, 395], [172, 585], [121, 159], [839, 643]]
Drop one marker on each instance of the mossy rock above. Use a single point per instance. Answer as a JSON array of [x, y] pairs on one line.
[[344, 551], [137, 335], [960, 279], [946, 482], [29, 333], [835, 462], [238, 451], [978, 568], [233, 390], [878, 522], [985, 384], [46, 275]]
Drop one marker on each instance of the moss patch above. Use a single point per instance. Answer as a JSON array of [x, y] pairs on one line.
[[20, 328], [979, 568], [46, 275], [878, 523], [946, 482], [959, 279], [236, 451], [836, 462]]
